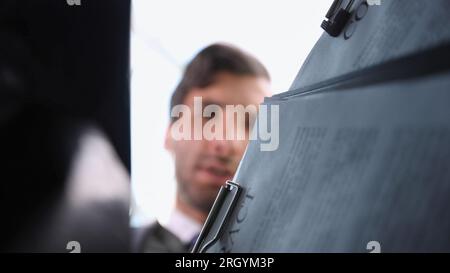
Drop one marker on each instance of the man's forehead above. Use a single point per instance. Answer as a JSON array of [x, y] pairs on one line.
[[247, 92]]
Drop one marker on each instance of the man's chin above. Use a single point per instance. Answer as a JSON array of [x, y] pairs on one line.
[[206, 205], [206, 200]]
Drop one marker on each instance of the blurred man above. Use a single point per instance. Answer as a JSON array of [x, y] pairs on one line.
[[217, 79]]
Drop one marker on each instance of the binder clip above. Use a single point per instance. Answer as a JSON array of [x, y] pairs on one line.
[[337, 17], [218, 216]]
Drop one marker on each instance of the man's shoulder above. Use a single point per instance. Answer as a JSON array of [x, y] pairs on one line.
[[155, 238]]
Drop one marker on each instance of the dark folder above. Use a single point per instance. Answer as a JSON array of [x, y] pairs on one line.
[[364, 143]]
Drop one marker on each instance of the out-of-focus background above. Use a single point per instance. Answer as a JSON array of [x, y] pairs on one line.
[[166, 35]]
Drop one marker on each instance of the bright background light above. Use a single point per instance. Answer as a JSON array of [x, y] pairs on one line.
[[166, 35]]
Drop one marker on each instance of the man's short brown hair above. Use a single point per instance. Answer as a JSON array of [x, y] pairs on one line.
[[202, 70]]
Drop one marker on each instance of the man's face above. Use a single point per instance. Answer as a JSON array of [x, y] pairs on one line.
[[202, 166]]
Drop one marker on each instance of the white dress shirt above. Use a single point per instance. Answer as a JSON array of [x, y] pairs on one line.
[[184, 227]]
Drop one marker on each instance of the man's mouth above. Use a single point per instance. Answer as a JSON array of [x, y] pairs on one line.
[[215, 174], [218, 172]]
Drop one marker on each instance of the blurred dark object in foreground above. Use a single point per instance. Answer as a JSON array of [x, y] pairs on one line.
[[64, 125]]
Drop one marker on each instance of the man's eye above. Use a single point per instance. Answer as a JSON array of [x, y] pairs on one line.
[[213, 115], [249, 120]]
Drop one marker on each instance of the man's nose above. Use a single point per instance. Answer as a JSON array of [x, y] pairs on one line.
[[221, 148]]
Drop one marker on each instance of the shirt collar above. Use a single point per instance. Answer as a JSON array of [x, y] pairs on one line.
[[183, 226]]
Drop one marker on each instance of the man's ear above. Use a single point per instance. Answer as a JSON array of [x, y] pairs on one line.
[[168, 141]]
